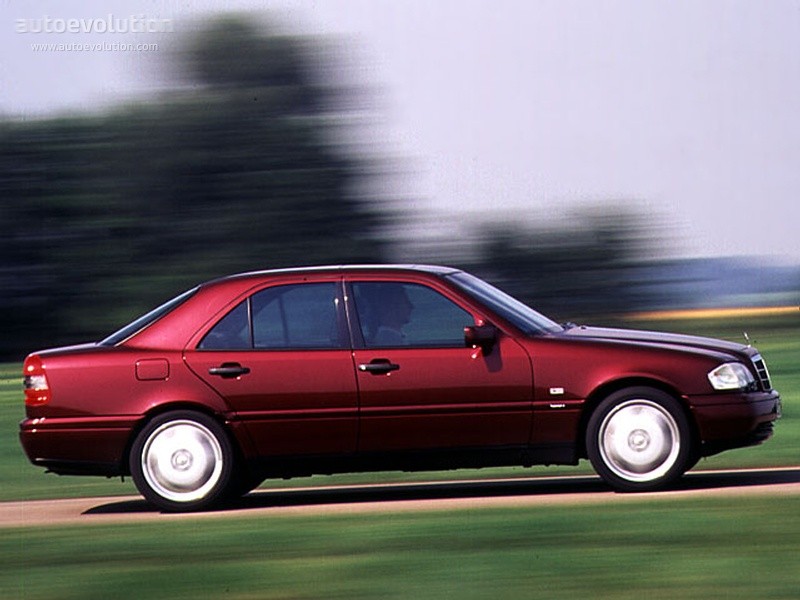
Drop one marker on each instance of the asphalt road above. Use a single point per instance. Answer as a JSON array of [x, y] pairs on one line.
[[401, 497]]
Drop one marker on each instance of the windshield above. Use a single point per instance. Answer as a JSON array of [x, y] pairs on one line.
[[512, 310], [145, 320]]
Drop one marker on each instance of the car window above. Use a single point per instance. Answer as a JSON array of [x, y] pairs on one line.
[[282, 317], [232, 332], [297, 316], [408, 315], [508, 307], [148, 319]]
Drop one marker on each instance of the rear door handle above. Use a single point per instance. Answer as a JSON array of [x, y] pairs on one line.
[[379, 366], [229, 370]]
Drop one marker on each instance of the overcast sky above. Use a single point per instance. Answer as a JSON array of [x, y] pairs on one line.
[[688, 110]]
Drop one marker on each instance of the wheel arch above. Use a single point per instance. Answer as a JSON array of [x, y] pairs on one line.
[[606, 389], [177, 405]]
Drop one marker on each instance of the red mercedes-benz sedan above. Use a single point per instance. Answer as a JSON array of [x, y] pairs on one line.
[[333, 369]]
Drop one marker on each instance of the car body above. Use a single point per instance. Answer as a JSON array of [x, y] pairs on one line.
[[294, 372]]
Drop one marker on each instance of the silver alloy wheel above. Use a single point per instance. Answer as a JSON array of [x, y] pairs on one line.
[[182, 460], [639, 440]]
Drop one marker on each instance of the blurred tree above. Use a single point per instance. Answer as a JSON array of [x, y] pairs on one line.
[[233, 53], [243, 168], [587, 270]]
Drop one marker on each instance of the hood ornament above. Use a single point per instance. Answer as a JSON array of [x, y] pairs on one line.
[[747, 339]]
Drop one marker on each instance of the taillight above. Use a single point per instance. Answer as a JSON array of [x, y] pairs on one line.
[[37, 390]]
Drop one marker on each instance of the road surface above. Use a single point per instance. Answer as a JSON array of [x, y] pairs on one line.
[[401, 497]]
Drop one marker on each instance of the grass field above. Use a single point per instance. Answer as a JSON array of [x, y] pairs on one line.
[[777, 337], [733, 548]]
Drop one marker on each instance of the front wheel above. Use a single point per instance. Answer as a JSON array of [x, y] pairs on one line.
[[638, 439], [181, 461]]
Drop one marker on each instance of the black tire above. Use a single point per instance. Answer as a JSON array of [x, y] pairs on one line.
[[638, 439], [183, 461]]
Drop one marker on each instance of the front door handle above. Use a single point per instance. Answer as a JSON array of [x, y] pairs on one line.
[[379, 366], [229, 370]]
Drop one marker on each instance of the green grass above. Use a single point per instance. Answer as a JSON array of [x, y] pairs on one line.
[[778, 339], [689, 548]]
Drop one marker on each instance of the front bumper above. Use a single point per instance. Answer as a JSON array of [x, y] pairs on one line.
[[726, 421]]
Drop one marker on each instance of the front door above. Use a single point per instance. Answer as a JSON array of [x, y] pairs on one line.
[[419, 386]]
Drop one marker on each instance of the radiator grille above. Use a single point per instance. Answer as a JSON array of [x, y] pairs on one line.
[[763, 373]]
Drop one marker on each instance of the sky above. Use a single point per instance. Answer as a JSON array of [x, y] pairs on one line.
[[685, 111]]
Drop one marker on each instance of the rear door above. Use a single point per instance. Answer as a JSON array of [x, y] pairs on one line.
[[281, 359], [420, 387]]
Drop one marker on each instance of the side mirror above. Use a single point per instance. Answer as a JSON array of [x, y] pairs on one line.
[[480, 336]]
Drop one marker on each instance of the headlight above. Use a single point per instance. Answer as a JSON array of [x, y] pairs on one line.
[[731, 376]]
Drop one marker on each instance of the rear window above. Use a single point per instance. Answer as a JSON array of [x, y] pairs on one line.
[[148, 319]]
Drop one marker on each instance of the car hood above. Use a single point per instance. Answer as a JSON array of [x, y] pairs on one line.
[[688, 342]]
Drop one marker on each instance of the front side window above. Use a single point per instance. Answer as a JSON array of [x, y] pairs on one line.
[[393, 315], [301, 316]]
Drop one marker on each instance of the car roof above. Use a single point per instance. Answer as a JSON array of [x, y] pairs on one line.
[[354, 268], [176, 327]]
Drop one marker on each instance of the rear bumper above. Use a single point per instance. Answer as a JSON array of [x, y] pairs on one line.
[[728, 421], [73, 446]]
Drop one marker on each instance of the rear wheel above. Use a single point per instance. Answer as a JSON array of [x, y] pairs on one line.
[[182, 460], [638, 439]]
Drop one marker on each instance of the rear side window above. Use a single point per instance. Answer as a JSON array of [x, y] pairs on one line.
[[232, 332], [297, 316], [301, 316]]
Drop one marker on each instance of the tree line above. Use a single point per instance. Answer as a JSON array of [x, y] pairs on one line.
[[244, 166]]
